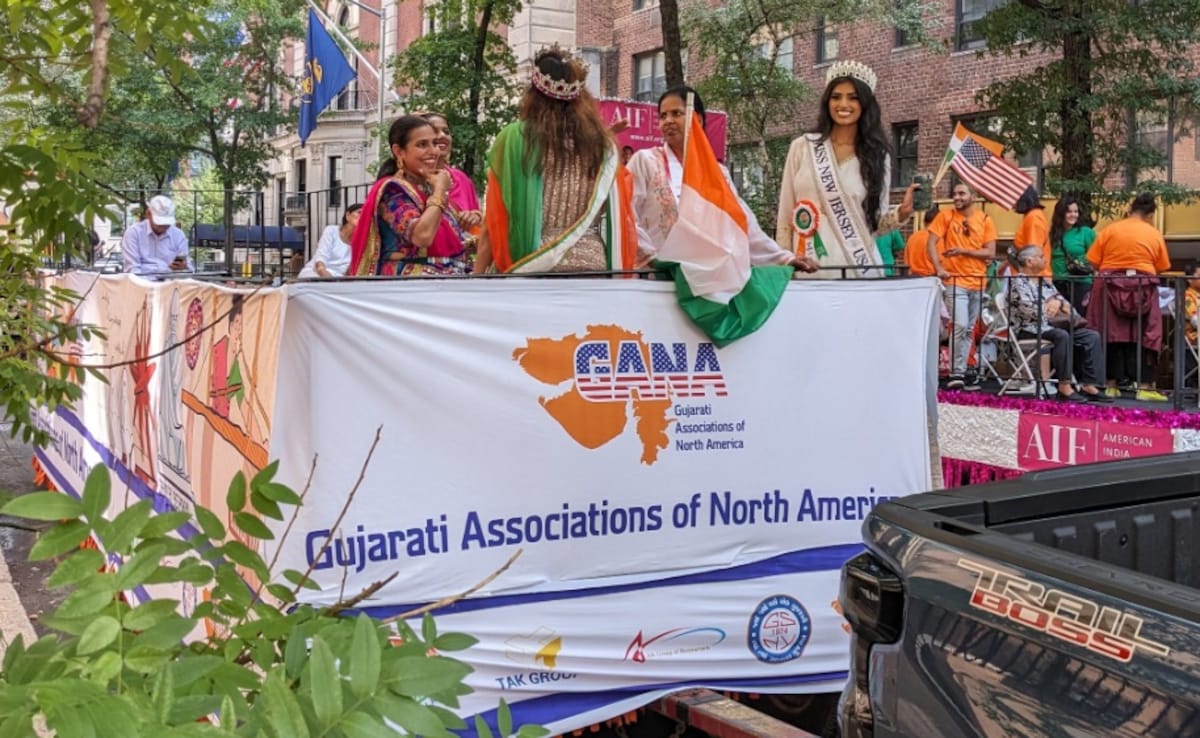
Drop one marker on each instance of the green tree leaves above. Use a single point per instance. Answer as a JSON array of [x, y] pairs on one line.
[[1114, 69], [158, 667]]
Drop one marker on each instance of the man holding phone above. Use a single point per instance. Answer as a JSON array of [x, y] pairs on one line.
[[154, 245]]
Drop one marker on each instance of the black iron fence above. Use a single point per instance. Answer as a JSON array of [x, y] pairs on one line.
[[1130, 336]]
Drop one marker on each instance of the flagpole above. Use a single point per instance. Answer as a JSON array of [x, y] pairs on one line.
[[381, 72], [337, 31], [942, 172], [687, 125]]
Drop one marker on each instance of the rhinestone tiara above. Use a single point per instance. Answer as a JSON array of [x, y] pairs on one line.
[[555, 88], [855, 69]]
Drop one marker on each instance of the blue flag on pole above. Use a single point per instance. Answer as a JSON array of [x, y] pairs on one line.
[[326, 73]]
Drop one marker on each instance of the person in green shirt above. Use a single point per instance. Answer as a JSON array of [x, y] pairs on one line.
[[1071, 235], [890, 244]]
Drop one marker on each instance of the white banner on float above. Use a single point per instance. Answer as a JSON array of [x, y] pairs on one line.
[[682, 510]]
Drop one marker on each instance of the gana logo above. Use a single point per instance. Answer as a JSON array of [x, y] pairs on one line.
[[608, 371]]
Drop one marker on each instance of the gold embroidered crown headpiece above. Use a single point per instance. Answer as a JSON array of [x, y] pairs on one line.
[[559, 89], [854, 69]]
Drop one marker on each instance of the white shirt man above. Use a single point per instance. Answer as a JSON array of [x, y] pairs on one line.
[[155, 245]]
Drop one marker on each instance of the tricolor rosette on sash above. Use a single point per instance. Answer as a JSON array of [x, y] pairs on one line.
[[805, 220]]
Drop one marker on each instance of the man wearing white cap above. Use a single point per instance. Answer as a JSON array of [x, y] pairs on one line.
[[154, 245]]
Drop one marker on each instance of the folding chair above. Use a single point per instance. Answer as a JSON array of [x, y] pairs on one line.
[[1018, 351]]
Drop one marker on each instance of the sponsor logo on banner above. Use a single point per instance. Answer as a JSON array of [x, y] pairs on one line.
[[670, 386], [779, 629], [1049, 441], [673, 642], [540, 649]]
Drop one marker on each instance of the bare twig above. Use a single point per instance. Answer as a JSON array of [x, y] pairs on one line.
[[445, 601], [312, 470], [362, 473], [338, 607]]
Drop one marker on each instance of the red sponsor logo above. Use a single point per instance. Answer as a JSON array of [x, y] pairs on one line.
[[643, 130], [1048, 441], [1102, 630]]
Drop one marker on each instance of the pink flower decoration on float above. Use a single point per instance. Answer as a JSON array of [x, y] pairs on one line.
[[1111, 413]]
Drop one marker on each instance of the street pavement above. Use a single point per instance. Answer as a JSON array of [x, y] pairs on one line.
[[16, 476]]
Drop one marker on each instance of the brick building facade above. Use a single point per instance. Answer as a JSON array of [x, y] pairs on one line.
[[922, 93]]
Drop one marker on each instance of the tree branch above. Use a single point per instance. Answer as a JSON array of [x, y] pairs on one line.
[[461, 595], [362, 473]]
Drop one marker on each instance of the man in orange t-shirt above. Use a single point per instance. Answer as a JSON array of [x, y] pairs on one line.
[[962, 241], [916, 253], [1034, 229]]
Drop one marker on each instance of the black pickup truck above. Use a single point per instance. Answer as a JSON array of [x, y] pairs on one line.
[[1060, 603]]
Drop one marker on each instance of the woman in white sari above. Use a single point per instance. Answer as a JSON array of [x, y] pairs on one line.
[[658, 180], [833, 199]]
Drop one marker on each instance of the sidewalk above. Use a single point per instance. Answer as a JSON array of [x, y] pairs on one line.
[[13, 619], [16, 477]]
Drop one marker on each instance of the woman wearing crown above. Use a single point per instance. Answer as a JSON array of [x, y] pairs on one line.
[[834, 196], [557, 199]]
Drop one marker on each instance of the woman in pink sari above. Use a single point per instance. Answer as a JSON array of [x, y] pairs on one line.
[[463, 200], [411, 229]]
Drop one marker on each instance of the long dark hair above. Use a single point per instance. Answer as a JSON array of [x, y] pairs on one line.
[[399, 133], [1058, 221], [571, 128], [871, 144]]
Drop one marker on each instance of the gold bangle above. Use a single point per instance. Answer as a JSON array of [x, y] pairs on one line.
[[432, 203]]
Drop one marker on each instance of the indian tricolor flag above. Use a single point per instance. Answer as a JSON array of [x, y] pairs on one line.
[[708, 251]]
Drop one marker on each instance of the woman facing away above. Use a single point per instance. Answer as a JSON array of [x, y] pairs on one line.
[[557, 198], [332, 258], [409, 229], [1071, 236], [833, 199], [658, 181]]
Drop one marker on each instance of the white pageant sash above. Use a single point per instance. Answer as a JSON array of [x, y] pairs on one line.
[[842, 226]]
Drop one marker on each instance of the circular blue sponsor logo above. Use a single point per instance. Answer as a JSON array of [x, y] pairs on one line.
[[779, 629]]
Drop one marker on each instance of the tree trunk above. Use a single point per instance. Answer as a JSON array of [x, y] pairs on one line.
[[672, 42], [477, 71], [1078, 156]]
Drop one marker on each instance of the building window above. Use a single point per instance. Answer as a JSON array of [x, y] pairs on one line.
[[1153, 131], [904, 143], [966, 14], [643, 4], [827, 42], [430, 24], [280, 194], [594, 60], [301, 170], [782, 49], [649, 75], [346, 98], [336, 179]]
